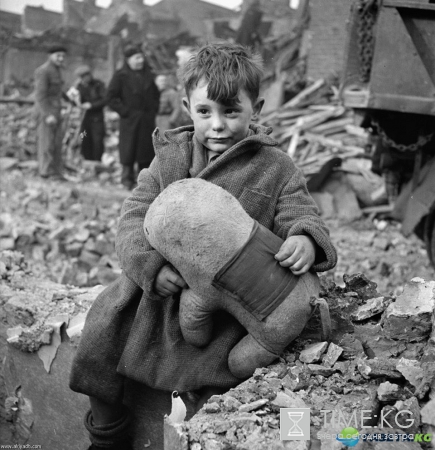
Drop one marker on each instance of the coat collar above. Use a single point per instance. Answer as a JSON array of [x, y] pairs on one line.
[[175, 150]]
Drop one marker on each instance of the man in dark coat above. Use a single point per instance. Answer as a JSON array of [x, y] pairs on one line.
[[48, 96], [92, 99], [133, 94]]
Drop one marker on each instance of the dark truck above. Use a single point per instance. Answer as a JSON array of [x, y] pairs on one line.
[[389, 77]]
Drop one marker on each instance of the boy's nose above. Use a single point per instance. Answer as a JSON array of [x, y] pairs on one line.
[[218, 123]]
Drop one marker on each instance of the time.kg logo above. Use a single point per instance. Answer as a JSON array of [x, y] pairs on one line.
[[294, 424]]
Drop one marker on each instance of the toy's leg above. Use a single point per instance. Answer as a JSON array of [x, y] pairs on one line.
[[280, 328], [247, 355], [195, 320]]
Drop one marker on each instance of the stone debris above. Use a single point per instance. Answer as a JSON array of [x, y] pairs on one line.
[[360, 369], [313, 352], [410, 317], [317, 369], [253, 406], [336, 381], [332, 355], [428, 413], [388, 392], [377, 368], [411, 370], [373, 307]]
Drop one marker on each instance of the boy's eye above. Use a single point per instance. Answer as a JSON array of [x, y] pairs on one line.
[[202, 111], [231, 111]]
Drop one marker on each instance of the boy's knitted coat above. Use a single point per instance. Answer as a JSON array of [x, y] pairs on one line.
[[131, 331]]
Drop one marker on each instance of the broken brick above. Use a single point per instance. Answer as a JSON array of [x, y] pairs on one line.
[[410, 317], [428, 413], [253, 405], [371, 308], [332, 355], [411, 370], [360, 284], [374, 368], [388, 392], [313, 352], [317, 369], [351, 346]]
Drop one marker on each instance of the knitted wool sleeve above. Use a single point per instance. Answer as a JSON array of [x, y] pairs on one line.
[[297, 214], [139, 261]]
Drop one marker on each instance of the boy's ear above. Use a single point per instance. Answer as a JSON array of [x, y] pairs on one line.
[[258, 106], [186, 104]]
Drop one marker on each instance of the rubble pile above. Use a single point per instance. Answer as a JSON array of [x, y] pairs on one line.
[[67, 233], [379, 250], [34, 314], [333, 153], [18, 137], [28, 302], [377, 374], [380, 359]]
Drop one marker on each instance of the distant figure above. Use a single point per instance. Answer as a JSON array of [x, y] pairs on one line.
[[48, 96], [92, 99], [170, 105], [133, 94]]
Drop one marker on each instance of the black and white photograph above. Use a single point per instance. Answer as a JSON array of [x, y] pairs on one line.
[[217, 224]]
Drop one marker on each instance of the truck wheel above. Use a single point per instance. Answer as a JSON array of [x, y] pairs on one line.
[[429, 235]]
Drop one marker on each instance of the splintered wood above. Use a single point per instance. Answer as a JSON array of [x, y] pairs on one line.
[[313, 130]]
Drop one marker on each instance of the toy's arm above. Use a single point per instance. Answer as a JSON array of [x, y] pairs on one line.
[[139, 261], [297, 214]]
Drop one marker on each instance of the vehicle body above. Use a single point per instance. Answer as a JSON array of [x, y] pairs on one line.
[[389, 75]]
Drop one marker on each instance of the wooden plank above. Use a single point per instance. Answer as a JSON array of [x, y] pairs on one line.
[[327, 142], [307, 122], [16, 100], [338, 124], [304, 94]]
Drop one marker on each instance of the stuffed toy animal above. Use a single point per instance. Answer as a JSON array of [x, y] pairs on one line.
[[227, 261]]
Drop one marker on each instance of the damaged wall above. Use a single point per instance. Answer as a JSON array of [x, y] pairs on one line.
[[328, 35], [24, 54]]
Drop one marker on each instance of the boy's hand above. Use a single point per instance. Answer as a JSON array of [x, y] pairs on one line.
[[297, 253], [168, 282]]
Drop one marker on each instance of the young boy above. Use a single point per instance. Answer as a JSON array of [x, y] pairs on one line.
[[132, 330]]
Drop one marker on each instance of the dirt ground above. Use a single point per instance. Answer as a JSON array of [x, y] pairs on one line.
[[63, 229]]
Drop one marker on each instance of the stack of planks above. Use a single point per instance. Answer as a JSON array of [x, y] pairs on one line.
[[313, 130]]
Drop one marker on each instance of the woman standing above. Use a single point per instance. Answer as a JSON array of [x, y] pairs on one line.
[[133, 94]]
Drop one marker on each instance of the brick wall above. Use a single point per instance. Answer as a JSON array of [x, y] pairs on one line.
[[328, 28]]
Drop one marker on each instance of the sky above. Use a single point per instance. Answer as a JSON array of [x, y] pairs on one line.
[[17, 6]]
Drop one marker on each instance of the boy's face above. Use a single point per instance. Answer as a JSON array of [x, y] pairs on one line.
[[218, 127]]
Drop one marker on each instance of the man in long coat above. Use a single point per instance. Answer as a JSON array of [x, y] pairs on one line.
[[133, 94], [92, 99], [48, 95]]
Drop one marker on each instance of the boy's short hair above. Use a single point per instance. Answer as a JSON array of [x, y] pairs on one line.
[[226, 68]]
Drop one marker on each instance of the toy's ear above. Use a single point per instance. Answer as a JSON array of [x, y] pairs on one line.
[[258, 106]]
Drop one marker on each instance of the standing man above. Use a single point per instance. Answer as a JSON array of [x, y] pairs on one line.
[[48, 95], [170, 105], [92, 95], [133, 94]]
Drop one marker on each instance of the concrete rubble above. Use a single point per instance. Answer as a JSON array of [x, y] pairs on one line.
[[377, 373], [350, 381]]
